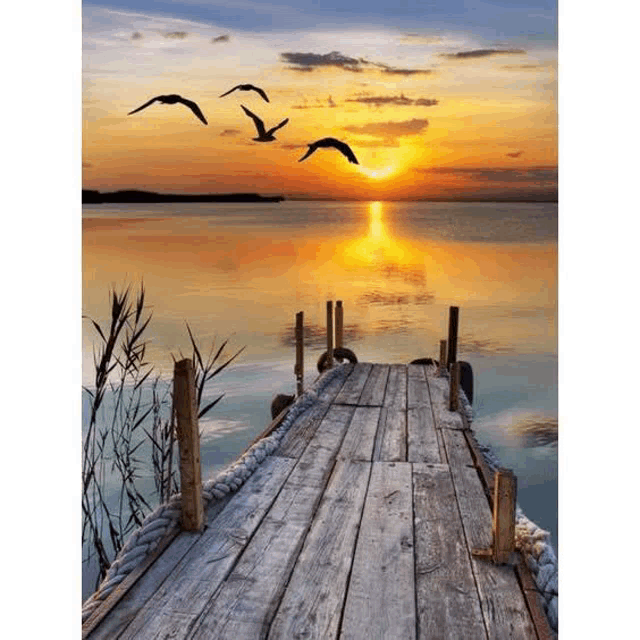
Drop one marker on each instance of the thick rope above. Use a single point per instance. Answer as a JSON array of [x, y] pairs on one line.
[[166, 518]]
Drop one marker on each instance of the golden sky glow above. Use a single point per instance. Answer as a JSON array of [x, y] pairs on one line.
[[436, 127]]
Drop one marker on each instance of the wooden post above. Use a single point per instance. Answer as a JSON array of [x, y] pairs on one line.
[[299, 367], [329, 334], [504, 515], [443, 356], [454, 385], [339, 323], [453, 336], [184, 399]]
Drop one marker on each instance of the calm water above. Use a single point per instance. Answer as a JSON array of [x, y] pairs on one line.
[[242, 272]]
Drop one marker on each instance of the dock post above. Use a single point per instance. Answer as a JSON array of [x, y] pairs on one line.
[[504, 515], [299, 367], [184, 398], [443, 356], [339, 323], [453, 336], [329, 334], [454, 385]]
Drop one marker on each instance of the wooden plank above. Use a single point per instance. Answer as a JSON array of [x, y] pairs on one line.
[[457, 448], [361, 434], [391, 441], [439, 390], [354, 384], [447, 598], [132, 593], [248, 599], [483, 468], [198, 574], [332, 389], [373, 392], [454, 386], [417, 390], [504, 609], [293, 442], [396, 392], [313, 602], [381, 597], [534, 600], [422, 442]]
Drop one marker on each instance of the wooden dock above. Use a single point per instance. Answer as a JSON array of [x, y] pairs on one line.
[[361, 525]]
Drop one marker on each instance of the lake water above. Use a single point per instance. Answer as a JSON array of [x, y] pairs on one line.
[[241, 272]]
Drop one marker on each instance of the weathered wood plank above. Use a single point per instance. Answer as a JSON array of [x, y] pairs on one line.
[[313, 602], [457, 448], [198, 574], [302, 430], [534, 600], [330, 392], [361, 434], [447, 597], [396, 392], [417, 389], [422, 442], [381, 597], [503, 605], [246, 602], [373, 392], [134, 591], [439, 390], [354, 384], [391, 441]]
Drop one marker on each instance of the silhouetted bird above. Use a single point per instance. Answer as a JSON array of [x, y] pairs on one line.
[[343, 147], [247, 87], [263, 134], [173, 99]]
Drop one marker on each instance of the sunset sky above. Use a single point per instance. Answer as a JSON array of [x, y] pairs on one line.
[[437, 99]]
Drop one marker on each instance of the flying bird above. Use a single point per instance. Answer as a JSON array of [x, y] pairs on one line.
[[247, 87], [342, 147], [173, 99], [263, 134]]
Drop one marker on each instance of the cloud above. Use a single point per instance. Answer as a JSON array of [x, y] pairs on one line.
[[392, 299], [230, 132], [224, 38], [522, 66], [398, 101], [404, 72], [480, 53], [390, 129], [176, 35], [319, 104], [515, 154], [416, 38], [137, 36], [292, 146], [310, 61], [532, 174]]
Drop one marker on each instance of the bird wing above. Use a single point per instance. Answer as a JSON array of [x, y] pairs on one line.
[[344, 148], [259, 124], [195, 108], [261, 92], [310, 150], [271, 131], [146, 104], [230, 90]]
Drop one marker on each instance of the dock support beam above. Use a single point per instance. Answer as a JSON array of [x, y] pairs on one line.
[[504, 515], [184, 399], [453, 336], [299, 367], [339, 323], [454, 385], [329, 334], [442, 362]]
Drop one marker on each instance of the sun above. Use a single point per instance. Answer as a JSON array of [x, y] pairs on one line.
[[377, 174]]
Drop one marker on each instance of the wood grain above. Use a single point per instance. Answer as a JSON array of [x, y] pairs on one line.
[[313, 602], [447, 598], [381, 598], [373, 392], [354, 384], [391, 441], [396, 392], [417, 390], [422, 442], [361, 434]]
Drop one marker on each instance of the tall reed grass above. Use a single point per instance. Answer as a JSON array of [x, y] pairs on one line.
[[130, 415]]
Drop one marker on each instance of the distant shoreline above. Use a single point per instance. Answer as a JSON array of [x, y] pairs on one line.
[[96, 197], [134, 196]]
